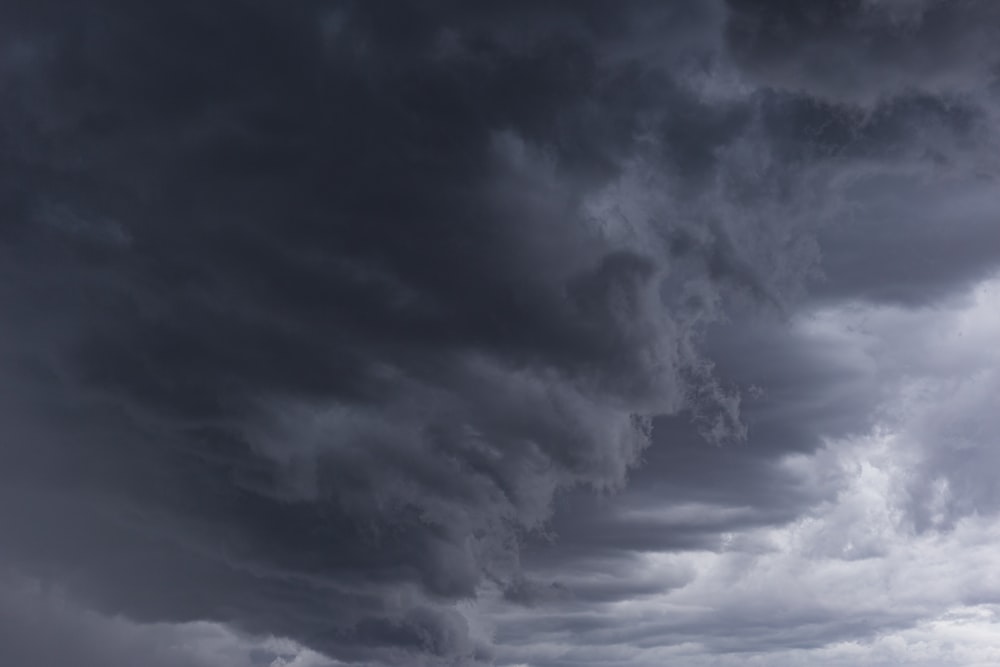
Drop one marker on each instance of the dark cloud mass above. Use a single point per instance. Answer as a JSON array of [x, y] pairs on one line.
[[442, 333], [867, 51]]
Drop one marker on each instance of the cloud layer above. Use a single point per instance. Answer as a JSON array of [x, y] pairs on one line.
[[444, 333]]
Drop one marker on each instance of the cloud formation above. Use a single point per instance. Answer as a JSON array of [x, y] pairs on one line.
[[451, 334]]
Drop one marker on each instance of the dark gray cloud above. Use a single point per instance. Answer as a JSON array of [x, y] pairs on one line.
[[863, 51], [687, 496], [313, 311], [42, 626], [348, 322]]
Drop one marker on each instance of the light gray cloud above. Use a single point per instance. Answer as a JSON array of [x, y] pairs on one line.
[[907, 500]]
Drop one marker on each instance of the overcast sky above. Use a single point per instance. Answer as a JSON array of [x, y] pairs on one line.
[[524, 333]]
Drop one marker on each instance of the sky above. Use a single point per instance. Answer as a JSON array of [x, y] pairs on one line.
[[527, 333]]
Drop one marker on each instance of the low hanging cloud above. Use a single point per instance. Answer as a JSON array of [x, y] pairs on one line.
[[903, 501], [415, 333], [43, 627], [334, 301]]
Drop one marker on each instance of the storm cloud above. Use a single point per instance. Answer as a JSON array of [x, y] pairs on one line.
[[452, 333]]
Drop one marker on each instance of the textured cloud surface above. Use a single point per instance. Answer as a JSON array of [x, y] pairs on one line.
[[527, 333]]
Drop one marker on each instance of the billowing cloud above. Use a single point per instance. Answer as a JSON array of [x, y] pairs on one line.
[[891, 559], [446, 333]]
